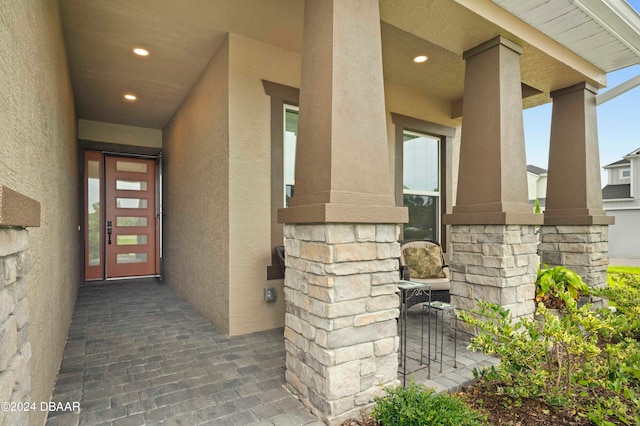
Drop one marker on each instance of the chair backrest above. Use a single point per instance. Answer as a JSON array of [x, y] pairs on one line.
[[281, 256], [420, 244]]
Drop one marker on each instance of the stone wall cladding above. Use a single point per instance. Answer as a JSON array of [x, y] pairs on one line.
[[583, 249], [15, 350], [341, 308], [495, 263]]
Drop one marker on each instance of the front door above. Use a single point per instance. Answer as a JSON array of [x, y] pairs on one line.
[[127, 231]]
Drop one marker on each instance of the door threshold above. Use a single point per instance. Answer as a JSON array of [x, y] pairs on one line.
[[135, 277], [142, 278]]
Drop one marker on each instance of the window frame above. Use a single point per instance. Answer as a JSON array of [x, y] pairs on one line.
[[280, 95], [622, 171], [435, 194], [286, 181], [445, 134]]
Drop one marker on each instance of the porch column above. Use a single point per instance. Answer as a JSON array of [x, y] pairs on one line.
[[575, 231], [342, 227], [492, 234], [16, 212]]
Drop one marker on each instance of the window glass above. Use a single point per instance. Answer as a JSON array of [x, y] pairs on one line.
[[131, 166], [93, 211], [421, 162], [131, 240], [131, 185], [421, 185], [131, 258], [423, 217], [131, 221], [131, 203], [290, 138]]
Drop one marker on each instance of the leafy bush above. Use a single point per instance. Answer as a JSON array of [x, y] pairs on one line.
[[579, 361], [539, 359], [554, 283], [416, 405], [623, 292]]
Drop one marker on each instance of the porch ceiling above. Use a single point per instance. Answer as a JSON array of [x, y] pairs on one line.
[[601, 31], [182, 37]]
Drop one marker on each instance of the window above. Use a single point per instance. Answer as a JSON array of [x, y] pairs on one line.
[[289, 150], [284, 130], [421, 185], [625, 174], [422, 175]]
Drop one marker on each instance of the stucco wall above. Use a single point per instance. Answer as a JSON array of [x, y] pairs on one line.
[[196, 194], [624, 234], [216, 258], [38, 157], [99, 131], [250, 180]]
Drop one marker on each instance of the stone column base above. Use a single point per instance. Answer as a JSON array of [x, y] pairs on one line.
[[341, 307], [494, 263], [581, 248], [15, 349]]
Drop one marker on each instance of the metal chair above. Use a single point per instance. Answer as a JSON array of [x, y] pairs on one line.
[[439, 285]]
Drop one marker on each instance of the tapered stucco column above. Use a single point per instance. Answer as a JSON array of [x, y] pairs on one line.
[[492, 234], [576, 227], [341, 230]]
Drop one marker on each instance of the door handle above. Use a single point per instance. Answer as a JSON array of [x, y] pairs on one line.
[[109, 231]]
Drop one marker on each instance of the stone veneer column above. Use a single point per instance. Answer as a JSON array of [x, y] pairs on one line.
[[575, 231], [581, 248], [493, 256], [341, 309], [15, 263], [496, 263], [341, 227]]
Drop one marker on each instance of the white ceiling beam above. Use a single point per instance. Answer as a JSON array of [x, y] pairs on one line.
[[618, 90]]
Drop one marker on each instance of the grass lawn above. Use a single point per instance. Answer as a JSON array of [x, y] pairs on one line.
[[624, 270]]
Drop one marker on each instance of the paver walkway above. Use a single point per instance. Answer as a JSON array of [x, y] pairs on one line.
[[138, 354]]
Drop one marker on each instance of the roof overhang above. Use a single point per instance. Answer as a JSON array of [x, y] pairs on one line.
[[616, 165], [632, 154], [604, 32]]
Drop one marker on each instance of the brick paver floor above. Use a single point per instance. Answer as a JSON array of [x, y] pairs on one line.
[[137, 354]]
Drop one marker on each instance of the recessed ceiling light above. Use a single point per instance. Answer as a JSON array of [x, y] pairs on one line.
[[130, 97], [420, 59], [140, 51]]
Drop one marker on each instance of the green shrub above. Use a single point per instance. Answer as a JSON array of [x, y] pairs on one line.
[[585, 360], [552, 284], [538, 359], [623, 292], [417, 405]]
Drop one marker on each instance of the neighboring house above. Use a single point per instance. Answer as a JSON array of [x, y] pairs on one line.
[[621, 199], [537, 185], [179, 163]]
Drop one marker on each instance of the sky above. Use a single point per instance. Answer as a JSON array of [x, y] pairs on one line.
[[618, 122]]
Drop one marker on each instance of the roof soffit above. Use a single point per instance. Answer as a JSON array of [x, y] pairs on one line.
[[605, 32], [183, 36]]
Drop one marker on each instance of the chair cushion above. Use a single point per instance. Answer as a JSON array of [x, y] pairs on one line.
[[424, 262], [437, 284]]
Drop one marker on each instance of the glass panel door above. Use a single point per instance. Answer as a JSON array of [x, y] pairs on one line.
[[130, 217], [120, 221]]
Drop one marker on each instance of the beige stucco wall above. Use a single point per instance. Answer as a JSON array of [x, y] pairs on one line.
[[250, 180], [196, 194], [216, 258], [99, 131], [38, 158], [249, 170]]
